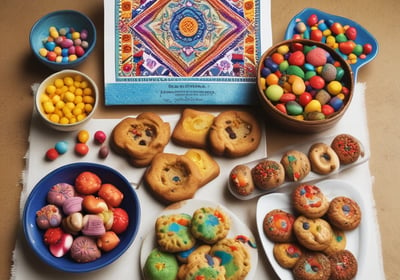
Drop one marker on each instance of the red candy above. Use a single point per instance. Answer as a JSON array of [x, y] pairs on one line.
[[121, 220], [317, 82], [351, 33], [51, 154], [312, 20], [52, 235], [297, 58], [100, 137], [81, 149], [316, 35]]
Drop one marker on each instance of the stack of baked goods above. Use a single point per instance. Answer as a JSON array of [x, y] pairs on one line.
[[295, 165], [311, 239], [196, 246], [175, 177]]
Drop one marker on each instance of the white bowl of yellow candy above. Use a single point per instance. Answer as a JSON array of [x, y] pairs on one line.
[[66, 100]]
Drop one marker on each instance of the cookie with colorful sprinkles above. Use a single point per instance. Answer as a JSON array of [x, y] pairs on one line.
[[347, 148]]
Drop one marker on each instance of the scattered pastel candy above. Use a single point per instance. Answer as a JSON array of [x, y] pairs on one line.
[[100, 137], [342, 38], [71, 44], [81, 149]]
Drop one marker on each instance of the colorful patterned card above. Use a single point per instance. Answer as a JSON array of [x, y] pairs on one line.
[[193, 52]]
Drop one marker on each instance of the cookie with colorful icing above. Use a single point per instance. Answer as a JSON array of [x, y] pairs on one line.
[[344, 265], [234, 134], [208, 167], [234, 257], [210, 224], [173, 232], [296, 165], [201, 265], [160, 266], [268, 174], [192, 129], [347, 148], [172, 177], [241, 181], [312, 266], [310, 201], [338, 242], [344, 213], [140, 138], [287, 254], [313, 234], [278, 225]]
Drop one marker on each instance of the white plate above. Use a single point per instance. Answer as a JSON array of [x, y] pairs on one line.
[[189, 206], [356, 239]]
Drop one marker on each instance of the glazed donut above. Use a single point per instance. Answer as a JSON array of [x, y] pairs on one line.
[[323, 159]]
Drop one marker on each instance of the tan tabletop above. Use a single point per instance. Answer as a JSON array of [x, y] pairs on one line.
[[19, 70]]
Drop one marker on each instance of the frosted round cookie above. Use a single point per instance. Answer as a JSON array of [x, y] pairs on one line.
[[210, 224]]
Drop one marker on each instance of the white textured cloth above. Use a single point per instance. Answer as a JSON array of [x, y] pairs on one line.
[[27, 266]]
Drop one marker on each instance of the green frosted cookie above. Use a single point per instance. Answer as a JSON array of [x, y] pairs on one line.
[[210, 224], [160, 266]]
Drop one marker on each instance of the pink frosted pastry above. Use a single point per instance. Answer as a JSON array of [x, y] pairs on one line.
[[84, 250], [48, 216], [72, 205], [59, 193]]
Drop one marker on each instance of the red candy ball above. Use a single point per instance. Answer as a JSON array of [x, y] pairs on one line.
[[296, 58], [317, 82], [351, 33], [312, 20], [51, 154], [316, 35], [81, 149], [305, 98], [100, 137]]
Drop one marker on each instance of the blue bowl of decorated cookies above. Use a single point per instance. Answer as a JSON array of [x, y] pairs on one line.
[[81, 217], [63, 39]]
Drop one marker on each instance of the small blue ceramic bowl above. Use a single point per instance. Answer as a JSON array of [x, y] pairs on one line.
[[67, 173], [61, 19]]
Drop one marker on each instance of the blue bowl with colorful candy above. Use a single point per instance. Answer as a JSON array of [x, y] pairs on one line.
[[63, 39], [75, 231], [351, 40], [304, 86]]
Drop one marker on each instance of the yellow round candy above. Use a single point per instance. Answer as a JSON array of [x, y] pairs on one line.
[[83, 136], [284, 49], [313, 106], [68, 81], [334, 87], [59, 83], [51, 89], [75, 35], [69, 96], [43, 52]]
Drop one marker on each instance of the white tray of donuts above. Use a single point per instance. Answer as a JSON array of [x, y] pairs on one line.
[[300, 163]]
